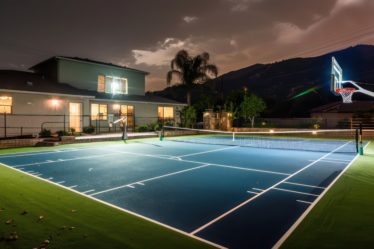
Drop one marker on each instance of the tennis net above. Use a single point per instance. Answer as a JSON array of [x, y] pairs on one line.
[[309, 140]]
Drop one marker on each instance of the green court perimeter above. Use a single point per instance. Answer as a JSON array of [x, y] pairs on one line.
[[344, 217], [70, 220]]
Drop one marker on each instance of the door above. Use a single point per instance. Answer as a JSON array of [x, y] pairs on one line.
[[75, 113]]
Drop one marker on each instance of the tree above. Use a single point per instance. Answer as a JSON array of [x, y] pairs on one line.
[[251, 107], [191, 70], [188, 116]]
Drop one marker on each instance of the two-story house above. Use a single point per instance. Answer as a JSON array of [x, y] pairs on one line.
[[66, 92]]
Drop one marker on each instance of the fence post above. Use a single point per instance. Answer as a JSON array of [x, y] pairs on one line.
[[64, 122], [21, 131], [5, 124]]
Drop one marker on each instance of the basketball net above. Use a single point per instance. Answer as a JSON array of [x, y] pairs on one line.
[[346, 94]]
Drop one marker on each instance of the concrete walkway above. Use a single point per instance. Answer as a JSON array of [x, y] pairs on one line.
[[117, 135]]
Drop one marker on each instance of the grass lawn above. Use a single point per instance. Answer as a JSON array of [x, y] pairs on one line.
[[344, 217], [34, 211]]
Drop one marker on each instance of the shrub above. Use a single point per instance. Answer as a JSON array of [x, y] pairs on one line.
[[62, 133], [142, 128], [45, 133], [89, 129]]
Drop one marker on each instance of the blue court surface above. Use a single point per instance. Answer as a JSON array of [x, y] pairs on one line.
[[234, 196]]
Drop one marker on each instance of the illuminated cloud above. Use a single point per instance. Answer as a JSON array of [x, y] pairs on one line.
[[341, 4], [241, 5], [190, 19], [164, 52]]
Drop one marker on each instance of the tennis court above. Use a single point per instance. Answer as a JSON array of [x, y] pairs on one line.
[[236, 195]]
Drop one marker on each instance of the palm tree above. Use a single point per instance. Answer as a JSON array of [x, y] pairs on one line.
[[191, 70]]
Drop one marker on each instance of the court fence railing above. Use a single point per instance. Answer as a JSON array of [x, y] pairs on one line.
[[31, 125]]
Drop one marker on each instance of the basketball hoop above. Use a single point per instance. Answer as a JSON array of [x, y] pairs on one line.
[[346, 93]]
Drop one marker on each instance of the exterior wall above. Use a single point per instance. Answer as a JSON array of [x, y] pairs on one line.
[[31, 110], [84, 75]]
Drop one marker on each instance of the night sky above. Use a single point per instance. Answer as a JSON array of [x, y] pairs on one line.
[[147, 34]]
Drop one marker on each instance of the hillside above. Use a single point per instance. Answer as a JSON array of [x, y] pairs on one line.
[[277, 83]]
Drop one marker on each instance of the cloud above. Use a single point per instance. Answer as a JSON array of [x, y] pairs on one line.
[[341, 4], [164, 52], [241, 5], [289, 33], [190, 19]]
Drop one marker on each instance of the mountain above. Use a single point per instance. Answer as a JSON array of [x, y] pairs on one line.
[[280, 82]]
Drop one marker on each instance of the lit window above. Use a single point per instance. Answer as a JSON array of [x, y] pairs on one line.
[[6, 104], [165, 112], [127, 109], [99, 111], [101, 84], [117, 85]]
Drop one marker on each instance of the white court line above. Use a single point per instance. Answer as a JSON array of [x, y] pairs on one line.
[[248, 169], [140, 183], [307, 211], [88, 191], [265, 191], [258, 189], [198, 162], [296, 192], [64, 160], [339, 160], [40, 153], [121, 209], [150, 179], [305, 185], [60, 182], [252, 192], [307, 202], [129, 185], [328, 161], [74, 186], [209, 151]]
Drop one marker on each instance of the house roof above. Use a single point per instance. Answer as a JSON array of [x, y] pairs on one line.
[[340, 107], [86, 60], [31, 82]]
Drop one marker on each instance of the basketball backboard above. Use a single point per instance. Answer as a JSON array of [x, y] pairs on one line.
[[336, 76]]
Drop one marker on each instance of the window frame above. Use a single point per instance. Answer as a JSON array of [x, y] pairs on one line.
[[98, 116], [6, 106], [124, 85], [98, 83], [163, 113]]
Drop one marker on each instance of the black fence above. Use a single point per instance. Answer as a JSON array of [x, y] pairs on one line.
[[30, 125], [308, 123]]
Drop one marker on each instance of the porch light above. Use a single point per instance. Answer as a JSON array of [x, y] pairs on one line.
[[116, 107], [55, 103]]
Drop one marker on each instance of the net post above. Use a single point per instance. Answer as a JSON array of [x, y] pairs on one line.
[[233, 136], [361, 148], [162, 134], [356, 140]]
